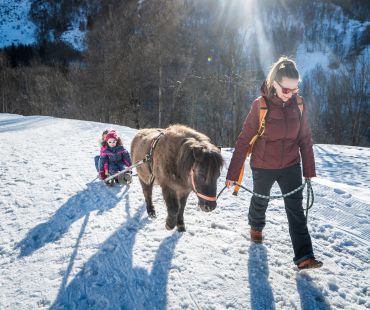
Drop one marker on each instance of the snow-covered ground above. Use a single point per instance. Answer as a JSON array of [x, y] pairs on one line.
[[69, 242]]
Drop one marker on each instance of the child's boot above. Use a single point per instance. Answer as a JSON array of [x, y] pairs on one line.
[[110, 183], [125, 178], [128, 177]]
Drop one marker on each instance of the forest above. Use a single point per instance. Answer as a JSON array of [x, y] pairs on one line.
[[199, 63]]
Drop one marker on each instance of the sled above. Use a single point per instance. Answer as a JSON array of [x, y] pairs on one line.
[[111, 177]]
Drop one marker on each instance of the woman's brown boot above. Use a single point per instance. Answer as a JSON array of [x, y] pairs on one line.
[[256, 235]]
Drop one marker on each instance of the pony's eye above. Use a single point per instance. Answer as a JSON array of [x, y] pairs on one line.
[[201, 177]]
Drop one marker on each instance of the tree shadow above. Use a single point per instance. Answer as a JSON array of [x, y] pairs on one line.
[[311, 296], [262, 297], [95, 197], [110, 281], [23, 122]]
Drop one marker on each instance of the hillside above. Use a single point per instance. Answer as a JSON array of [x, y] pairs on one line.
[[323, 32], [68, 241], [155, 63]]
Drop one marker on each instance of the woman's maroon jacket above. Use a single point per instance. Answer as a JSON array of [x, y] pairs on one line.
[[286, 139]]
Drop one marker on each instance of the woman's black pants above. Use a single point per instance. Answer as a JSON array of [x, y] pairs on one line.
[[288, 179]]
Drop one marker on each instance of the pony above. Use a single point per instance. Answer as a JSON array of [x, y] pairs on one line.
[[179, 160]]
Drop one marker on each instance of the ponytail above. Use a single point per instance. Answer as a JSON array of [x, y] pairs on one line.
[[284, 67]]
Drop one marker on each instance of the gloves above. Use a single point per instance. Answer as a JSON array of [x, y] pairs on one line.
[[102, 175]]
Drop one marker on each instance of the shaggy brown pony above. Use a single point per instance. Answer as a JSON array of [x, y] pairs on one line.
[[182, 160]]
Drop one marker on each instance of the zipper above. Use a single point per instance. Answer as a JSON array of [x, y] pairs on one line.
[[285, 132]]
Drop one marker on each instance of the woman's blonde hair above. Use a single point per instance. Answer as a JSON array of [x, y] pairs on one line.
[[284, 67]]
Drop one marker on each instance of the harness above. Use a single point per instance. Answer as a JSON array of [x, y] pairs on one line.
[[149, 155]]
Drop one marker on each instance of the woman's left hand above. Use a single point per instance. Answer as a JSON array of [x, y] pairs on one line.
[[229, 183]]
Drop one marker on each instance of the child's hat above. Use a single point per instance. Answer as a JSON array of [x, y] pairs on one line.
[[111, 135]]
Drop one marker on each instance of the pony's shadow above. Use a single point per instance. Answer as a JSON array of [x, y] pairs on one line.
[[95, 197], [262, 296], [110, 281], [311, 296]]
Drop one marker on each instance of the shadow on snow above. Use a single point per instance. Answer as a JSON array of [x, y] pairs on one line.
[[312, 298], [76, 207], [21, 123], [262, 296], [110, 281]]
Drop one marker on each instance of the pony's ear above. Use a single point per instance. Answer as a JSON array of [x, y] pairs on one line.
[[188, 153]]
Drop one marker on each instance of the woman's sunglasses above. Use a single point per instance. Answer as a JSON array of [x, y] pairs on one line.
[[286, 91]]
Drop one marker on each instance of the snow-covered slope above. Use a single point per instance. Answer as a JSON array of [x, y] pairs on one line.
[[69, 242]]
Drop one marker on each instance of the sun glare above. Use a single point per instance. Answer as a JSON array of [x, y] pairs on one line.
[[255, 29]]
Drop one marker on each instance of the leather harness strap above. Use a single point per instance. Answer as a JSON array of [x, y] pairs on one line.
[[200, 195], [149, 154]]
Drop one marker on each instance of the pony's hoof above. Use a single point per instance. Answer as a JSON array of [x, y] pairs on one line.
[[181, 228], [169, 227], [152, 214]]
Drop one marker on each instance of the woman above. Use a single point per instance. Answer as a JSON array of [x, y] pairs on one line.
[[276, 156]]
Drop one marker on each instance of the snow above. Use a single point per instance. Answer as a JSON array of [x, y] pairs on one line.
[[69, 242], [307, 61], [15, 26], [75, 38]]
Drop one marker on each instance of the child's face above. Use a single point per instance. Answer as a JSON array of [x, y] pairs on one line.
[[112, 142]]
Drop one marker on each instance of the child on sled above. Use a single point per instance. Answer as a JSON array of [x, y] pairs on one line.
[[114, 158]]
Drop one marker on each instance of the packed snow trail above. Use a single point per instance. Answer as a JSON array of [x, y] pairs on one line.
[[67, 241]]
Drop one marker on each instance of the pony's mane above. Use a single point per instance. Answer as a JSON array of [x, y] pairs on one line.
[[202, 152], [182, 130], [212, 162]]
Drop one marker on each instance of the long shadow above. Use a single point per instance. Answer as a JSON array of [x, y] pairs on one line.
[[262, 297], [110, 281], [95, 197], [311, 296]]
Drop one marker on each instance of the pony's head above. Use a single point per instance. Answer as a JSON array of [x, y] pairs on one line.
[[199, 163]]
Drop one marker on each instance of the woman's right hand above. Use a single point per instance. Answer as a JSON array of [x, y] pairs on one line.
[[229, 183]]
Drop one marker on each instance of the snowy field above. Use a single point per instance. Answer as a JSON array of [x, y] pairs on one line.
[[69, 242]]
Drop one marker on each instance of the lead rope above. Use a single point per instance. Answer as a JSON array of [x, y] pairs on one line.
[[310, 194], [273, 196]]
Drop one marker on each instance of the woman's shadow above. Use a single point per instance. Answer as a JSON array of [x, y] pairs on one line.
[[95, 197], [311, 296], [262, 296], [261, 292], [110, 281]]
